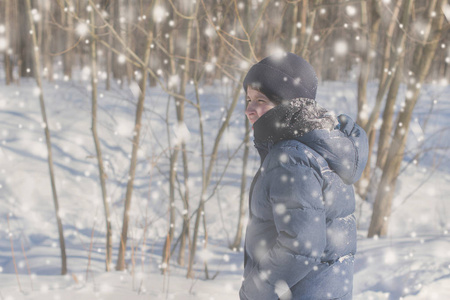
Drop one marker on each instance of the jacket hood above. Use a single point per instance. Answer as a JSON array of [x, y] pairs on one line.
[[344, 147]]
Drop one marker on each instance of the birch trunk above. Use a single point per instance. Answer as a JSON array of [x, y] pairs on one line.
[[109, 55], [47, 41], [7, 58], [68, 56], [367, 59], [423, 57], [388, 114], [172, 166], [242, 196], [38, 78], [101, 169], [137, 129], [201, 206], [309, 29], [25, 47]]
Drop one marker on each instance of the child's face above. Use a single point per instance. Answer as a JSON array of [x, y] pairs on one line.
[[257, 104]]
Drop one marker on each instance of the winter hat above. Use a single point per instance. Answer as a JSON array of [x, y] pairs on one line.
[[283, 77]]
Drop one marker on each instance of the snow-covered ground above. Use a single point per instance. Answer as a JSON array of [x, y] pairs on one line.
[[413, 262]]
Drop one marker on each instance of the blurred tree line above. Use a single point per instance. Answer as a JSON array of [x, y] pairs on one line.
[[173, 43]]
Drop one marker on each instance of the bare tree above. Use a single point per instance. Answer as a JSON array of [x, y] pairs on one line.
[[68, 55], [423, 56], [7, 55], [206, 181], [396, 77], [134, 153], [47, 137], [308, 20], [249, 52], [101, 168], [242, 196], [47, 40], [371, 24]]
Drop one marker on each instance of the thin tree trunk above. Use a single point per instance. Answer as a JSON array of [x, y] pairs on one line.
[[109, 54], [396, 77], [384, 139], [39, 28], [180, 146], [200, 209], [47, 138], [68, 55], [115, 19], [371, 41], [15, 40], [172, 179], [366, 62], [101, 169], [137, 130], [294, 41], [130, 42], [238, 237], [303, 19], [172, 165], [7, 58], [25, 55], [184, 82], [424, 55], [47, 41], [309, 30]]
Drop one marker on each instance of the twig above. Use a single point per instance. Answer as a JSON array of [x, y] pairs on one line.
[[180, 14], [90, 248], [12, 253], [245, 31], [28, 265]]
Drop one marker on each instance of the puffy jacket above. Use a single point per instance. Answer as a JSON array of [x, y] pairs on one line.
[[301, 235]]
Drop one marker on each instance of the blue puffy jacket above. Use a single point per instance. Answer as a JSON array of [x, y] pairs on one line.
[[301, 236]]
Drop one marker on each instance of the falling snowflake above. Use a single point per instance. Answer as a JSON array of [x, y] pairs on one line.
[[280, 208], [350, 10], [205, 255], [390, 257], [82, 29], [121, 59], [3, 44], [341, 48], [159, 14]]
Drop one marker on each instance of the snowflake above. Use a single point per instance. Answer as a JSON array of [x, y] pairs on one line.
[[284, 158], [82, 29], [341, 47], [121, 59], [3, 44], [390, 257], [280, 208], [159, 13], [350, 10]]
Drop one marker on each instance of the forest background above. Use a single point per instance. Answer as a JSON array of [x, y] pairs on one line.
[[182, 48]]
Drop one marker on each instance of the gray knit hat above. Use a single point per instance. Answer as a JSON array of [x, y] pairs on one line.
[[283, 77]]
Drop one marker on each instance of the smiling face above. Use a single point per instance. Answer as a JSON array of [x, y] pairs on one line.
[[257, 104]]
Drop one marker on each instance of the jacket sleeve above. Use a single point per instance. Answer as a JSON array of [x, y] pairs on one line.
[[295, 193], [358, 137]]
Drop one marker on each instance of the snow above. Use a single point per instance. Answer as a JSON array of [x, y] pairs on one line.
[[341, 47], [350, 10], [412, 262], [82, 29], [3, 44], [159, 13]]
